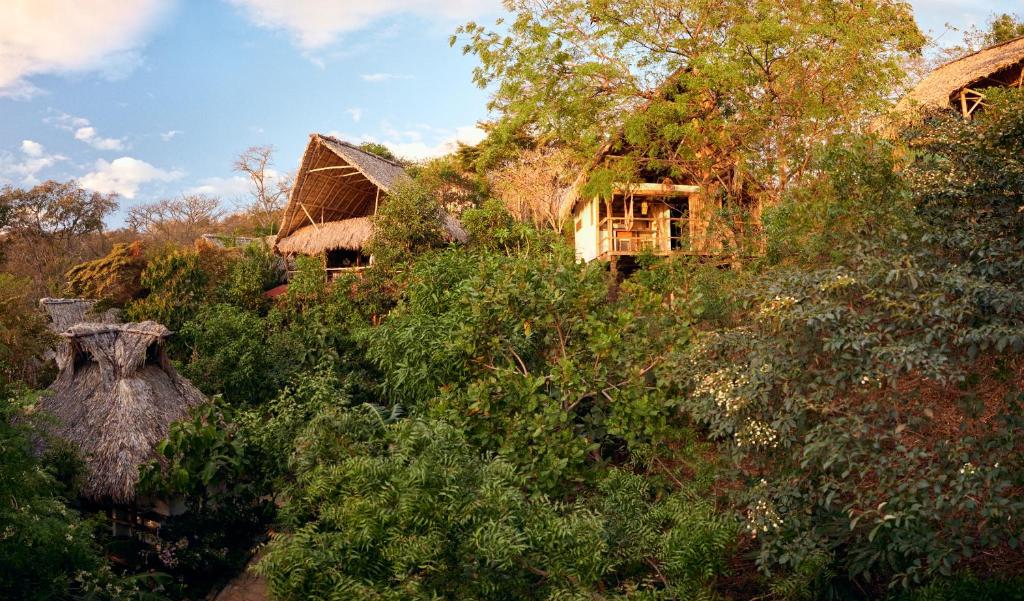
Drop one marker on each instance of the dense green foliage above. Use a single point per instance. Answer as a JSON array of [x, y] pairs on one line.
[[731, 93], [44, 545], [876, 399], [411, 510]]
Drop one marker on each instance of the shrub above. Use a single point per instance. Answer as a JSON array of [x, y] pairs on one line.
[[44, 545], [873, 404], [233, 353], [411, 510], [176, 286], [114, 279]]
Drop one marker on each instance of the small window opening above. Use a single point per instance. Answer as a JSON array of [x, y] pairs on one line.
[[153, 354]]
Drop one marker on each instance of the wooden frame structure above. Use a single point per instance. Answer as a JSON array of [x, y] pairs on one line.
[[338, 190], [960, 84]]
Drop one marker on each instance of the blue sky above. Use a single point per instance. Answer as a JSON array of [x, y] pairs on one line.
[[151, 98]]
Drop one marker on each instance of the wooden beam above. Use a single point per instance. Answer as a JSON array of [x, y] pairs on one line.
[[647, 189], [336, 168], [311, 220]]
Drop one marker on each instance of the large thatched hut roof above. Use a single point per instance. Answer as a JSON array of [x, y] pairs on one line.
[[115, 398], [337, 190], [337, 181], [987, 67]]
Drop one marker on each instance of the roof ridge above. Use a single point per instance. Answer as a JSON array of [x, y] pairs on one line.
[[348, 144], [979, 51]]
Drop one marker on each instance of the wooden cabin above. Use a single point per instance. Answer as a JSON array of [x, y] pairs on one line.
[[960, 85], [337, 191]]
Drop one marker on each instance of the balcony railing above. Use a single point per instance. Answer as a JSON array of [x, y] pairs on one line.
[[663, 236], [616, 236]]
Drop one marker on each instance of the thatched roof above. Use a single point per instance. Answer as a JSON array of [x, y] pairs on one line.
[[339, 187], [350, 234], [979, 69], [337, 181], [66, 312], [115, 398]]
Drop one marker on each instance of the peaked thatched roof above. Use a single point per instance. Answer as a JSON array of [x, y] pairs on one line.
[[339, 187], [337, 181], [983, 68], [115, 398]]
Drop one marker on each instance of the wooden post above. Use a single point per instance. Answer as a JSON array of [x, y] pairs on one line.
[[376, 201]]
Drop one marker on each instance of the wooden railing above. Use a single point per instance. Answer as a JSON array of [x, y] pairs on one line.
[[616, 236], [642, 234]]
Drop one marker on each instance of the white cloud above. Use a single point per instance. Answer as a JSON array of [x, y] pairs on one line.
[[355, 113], [382, 77], [124, 176], [60, 36], [83, 131], [169, 135], [414, 146], [88, 135], [32, 149], [25, 169], [317, 23]]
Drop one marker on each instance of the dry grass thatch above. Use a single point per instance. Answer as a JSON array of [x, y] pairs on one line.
[[350, 234], [115, 398], [67, 312], [337, 181], [337, 190], [981, 68]]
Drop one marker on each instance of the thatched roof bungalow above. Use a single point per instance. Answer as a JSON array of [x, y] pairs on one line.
[[959, 84], [337, 191], [114, 399]]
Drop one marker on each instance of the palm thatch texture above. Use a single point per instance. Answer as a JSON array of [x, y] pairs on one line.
[[956, 83], [337, 189], [115, 398], [67, 312]]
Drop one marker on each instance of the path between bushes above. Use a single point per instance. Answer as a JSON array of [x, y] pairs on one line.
[[245, 587]]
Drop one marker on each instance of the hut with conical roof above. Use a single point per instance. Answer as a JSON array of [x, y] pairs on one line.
[[114, 399]]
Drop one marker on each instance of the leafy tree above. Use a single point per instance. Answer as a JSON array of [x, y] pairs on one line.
[[24, 336], [380, 150], [44, 545], [409, 510], [114, 279], [51, 227], [248, 277], [405, 226], [530, 356], [733, 94], [203, 461], [1003, 28], [869, 401], [233, 354]]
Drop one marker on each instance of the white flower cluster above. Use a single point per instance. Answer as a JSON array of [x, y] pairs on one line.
[[777, 306], [762, 518], [969, 469], [724, 387], [756, 433], [837, 283]]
